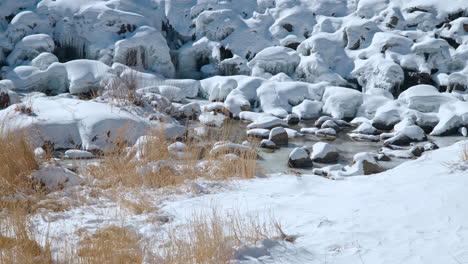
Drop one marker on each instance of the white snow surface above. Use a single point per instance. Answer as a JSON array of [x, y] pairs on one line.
[[415, 213]]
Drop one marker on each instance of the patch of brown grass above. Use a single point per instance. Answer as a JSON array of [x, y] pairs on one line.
[[464, 154], [123, 166], [17, 163], [17, 244], [111, 244], [212, 238]]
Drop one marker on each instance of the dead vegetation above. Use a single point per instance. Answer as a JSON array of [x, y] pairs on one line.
[[150, 163], [212, 238], [123, 89]]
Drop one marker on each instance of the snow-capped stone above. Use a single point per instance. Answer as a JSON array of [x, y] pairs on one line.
[[329, 133], [341, 102], [430, 146], [44, 60], [177, 146], [211, 119], [366, 164], [292, 119], [78, 154], [30, 47], [308, 109], [228, 147], [406, 135], [145, 48], [364, 137], [258, 133], [329, 124], [274, 60], [463, 131], [424, 98], [267, 144], [279, 136], [39, 153], [293, 133], [366, 128], [69, 123], [268, 122], [299, 158], [309, 130], [87, 75], [56, 178], [324, 153]]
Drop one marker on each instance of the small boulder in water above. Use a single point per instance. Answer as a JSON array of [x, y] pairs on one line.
[[324, 153], [268, 144], [292, 119], [279, 136], [299, 158]]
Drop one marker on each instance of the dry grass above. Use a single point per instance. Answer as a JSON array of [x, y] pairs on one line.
[[124, 89], [17, 244], [212, 238], [464, 154], [123, 166], [17, 162], [110, 245]]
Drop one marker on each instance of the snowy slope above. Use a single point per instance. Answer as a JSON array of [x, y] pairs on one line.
[[415, 213]]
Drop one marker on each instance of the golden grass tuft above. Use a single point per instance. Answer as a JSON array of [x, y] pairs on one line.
[[211, 238], [464, 154], [17, 244], [111, 244], [17, 163]]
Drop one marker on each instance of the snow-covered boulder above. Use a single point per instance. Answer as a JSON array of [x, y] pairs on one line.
[[177, 146], [279, 136], [267, 144], [341, 102], [56, 178], [308, 109], [44, 60], [324, 153], [147, 49], [299, 158], [366, 128], [258, 133], [267, 122], [30, 47], [87, 75], [274, 60], [424, 98], [78, 154], [68, 123]]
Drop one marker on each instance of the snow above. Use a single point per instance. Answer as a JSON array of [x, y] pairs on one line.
[[370, 219], [78, 154], [69, 123], [55, 178], [341, 102]]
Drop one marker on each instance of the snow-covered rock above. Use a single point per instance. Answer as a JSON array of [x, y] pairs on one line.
[[299, 158], [279, 136], [78, 154], [324, 153], [56, 178], [341, 102]]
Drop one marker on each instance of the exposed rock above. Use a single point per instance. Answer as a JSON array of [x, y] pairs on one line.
[[268, 144], [330, 124], [292, 119], [56, 178], [324, 153], [329, 133], [279, 136], [299, 158]]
